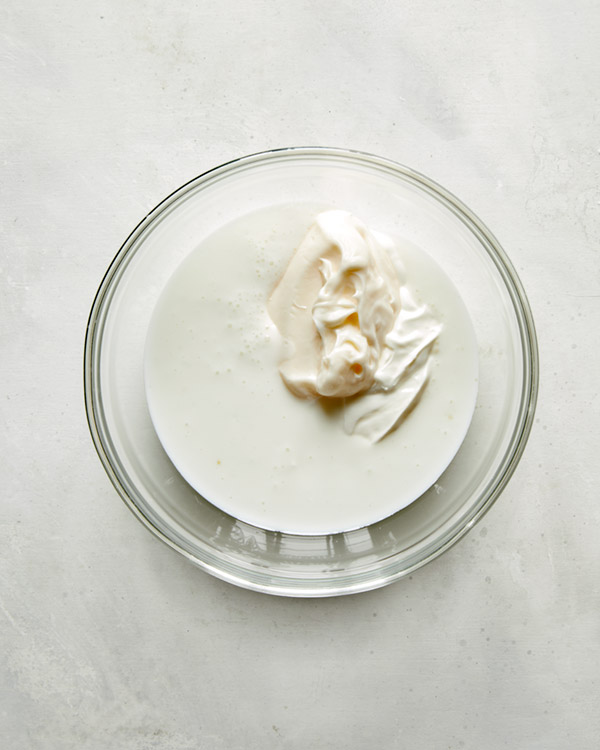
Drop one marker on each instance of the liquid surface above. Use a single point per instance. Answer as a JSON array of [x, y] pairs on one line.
[[242, 439]]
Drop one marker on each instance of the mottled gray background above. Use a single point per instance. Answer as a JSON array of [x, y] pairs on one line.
[[111, 640]]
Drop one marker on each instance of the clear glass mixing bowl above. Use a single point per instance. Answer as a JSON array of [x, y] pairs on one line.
[[382, 193]]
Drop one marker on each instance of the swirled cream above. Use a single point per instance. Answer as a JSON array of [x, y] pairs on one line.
[[352, 325]]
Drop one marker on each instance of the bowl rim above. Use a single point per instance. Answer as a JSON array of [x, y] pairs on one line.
[[528, 341]]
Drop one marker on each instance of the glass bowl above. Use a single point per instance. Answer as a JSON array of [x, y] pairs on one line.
[[382, 193]]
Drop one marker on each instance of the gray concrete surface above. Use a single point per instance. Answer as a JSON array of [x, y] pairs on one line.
[[111, 640]]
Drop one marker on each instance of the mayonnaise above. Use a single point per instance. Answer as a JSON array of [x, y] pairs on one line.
[[352, 326]]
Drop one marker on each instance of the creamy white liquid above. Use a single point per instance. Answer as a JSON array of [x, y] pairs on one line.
[[242, 439]]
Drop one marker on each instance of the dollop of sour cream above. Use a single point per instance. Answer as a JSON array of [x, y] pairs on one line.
[[352, 328]]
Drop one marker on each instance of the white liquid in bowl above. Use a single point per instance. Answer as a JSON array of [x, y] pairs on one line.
[[237, 434]]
